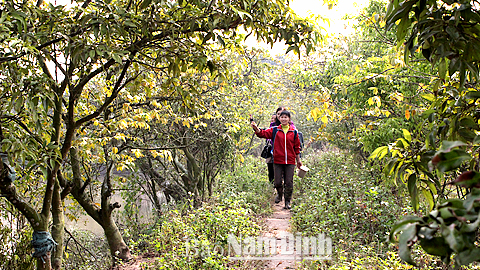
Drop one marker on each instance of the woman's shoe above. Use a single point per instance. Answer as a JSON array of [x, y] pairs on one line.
[[279, 195], [287, 205]]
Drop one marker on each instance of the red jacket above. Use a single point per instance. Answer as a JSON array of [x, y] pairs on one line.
[[284, 147]]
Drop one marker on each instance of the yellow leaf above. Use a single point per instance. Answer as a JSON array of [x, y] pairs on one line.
[[122, 124], [407, 114], [407, 135], [324, 119], [370, 101], [137, 153], [315, 113], [114, 150]]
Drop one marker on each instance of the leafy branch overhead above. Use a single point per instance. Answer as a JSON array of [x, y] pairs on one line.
[[82, 74], [442, 155], [445, 32]]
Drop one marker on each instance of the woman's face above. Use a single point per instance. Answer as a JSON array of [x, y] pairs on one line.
[[274, 117], [284, 119], [278, 113]]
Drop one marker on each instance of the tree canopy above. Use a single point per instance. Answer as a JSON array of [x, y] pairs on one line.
[[89, 71]]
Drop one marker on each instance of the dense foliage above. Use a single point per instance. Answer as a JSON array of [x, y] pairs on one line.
[[441, 159], [149, 99], [76, 78], [186, 238]]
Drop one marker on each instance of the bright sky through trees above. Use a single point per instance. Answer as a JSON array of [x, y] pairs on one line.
[[306, 8]]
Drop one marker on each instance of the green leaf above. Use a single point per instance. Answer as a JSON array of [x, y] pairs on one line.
[[476, 140], [390, 167], [442, 69], [383, 152], [472, 197], [453, 238], [472, 227], [468, 122], [413, 191], [18, 104], [452, 160], [117, 58], [468, 256], [375, 152], [431, 186], [448, 145], [467, 134], [452, 203], [221, 41], [435, 246], [404, 243], [289, 49], [436, 86], [399, 226], [431, 98], [472, 95], [405, 144], [145, 4]]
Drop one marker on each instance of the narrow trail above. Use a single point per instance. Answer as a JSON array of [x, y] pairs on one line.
[[279, 226]]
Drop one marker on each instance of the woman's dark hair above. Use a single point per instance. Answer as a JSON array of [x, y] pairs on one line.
[[280, 109], [287, 113]]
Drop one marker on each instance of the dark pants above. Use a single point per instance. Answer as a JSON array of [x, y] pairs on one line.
[[271, 175], [285, 172]]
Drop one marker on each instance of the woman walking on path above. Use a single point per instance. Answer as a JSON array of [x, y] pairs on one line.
[[275, 122], [286, 150]]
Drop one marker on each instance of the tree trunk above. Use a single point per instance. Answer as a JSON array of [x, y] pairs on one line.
[[103, 215], [44, 263], [57, 228], [118, 248]]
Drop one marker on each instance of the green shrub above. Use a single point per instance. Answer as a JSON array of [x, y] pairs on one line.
[[247, 184], [339, 197], [186, 238], [84, 250], [15, 247], [344, 199]]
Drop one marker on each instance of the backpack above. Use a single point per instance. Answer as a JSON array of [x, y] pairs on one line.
[[295, 133]]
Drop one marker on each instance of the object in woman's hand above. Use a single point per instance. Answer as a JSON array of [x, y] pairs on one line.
[[303, 170], [251, 118]]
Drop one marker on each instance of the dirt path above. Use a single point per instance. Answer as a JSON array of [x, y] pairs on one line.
[[279, 226]]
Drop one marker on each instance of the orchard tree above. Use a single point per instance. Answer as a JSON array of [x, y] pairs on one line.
[[359, 91], [49, 57], [442, 153]]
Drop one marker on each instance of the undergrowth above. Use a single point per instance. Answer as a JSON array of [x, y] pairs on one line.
[[187, 238], [345, 199]]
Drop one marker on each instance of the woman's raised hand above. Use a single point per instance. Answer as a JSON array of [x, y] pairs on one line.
[[254, 126]]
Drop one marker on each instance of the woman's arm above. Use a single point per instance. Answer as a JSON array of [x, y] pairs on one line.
[[299, 162], [261, 133]]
